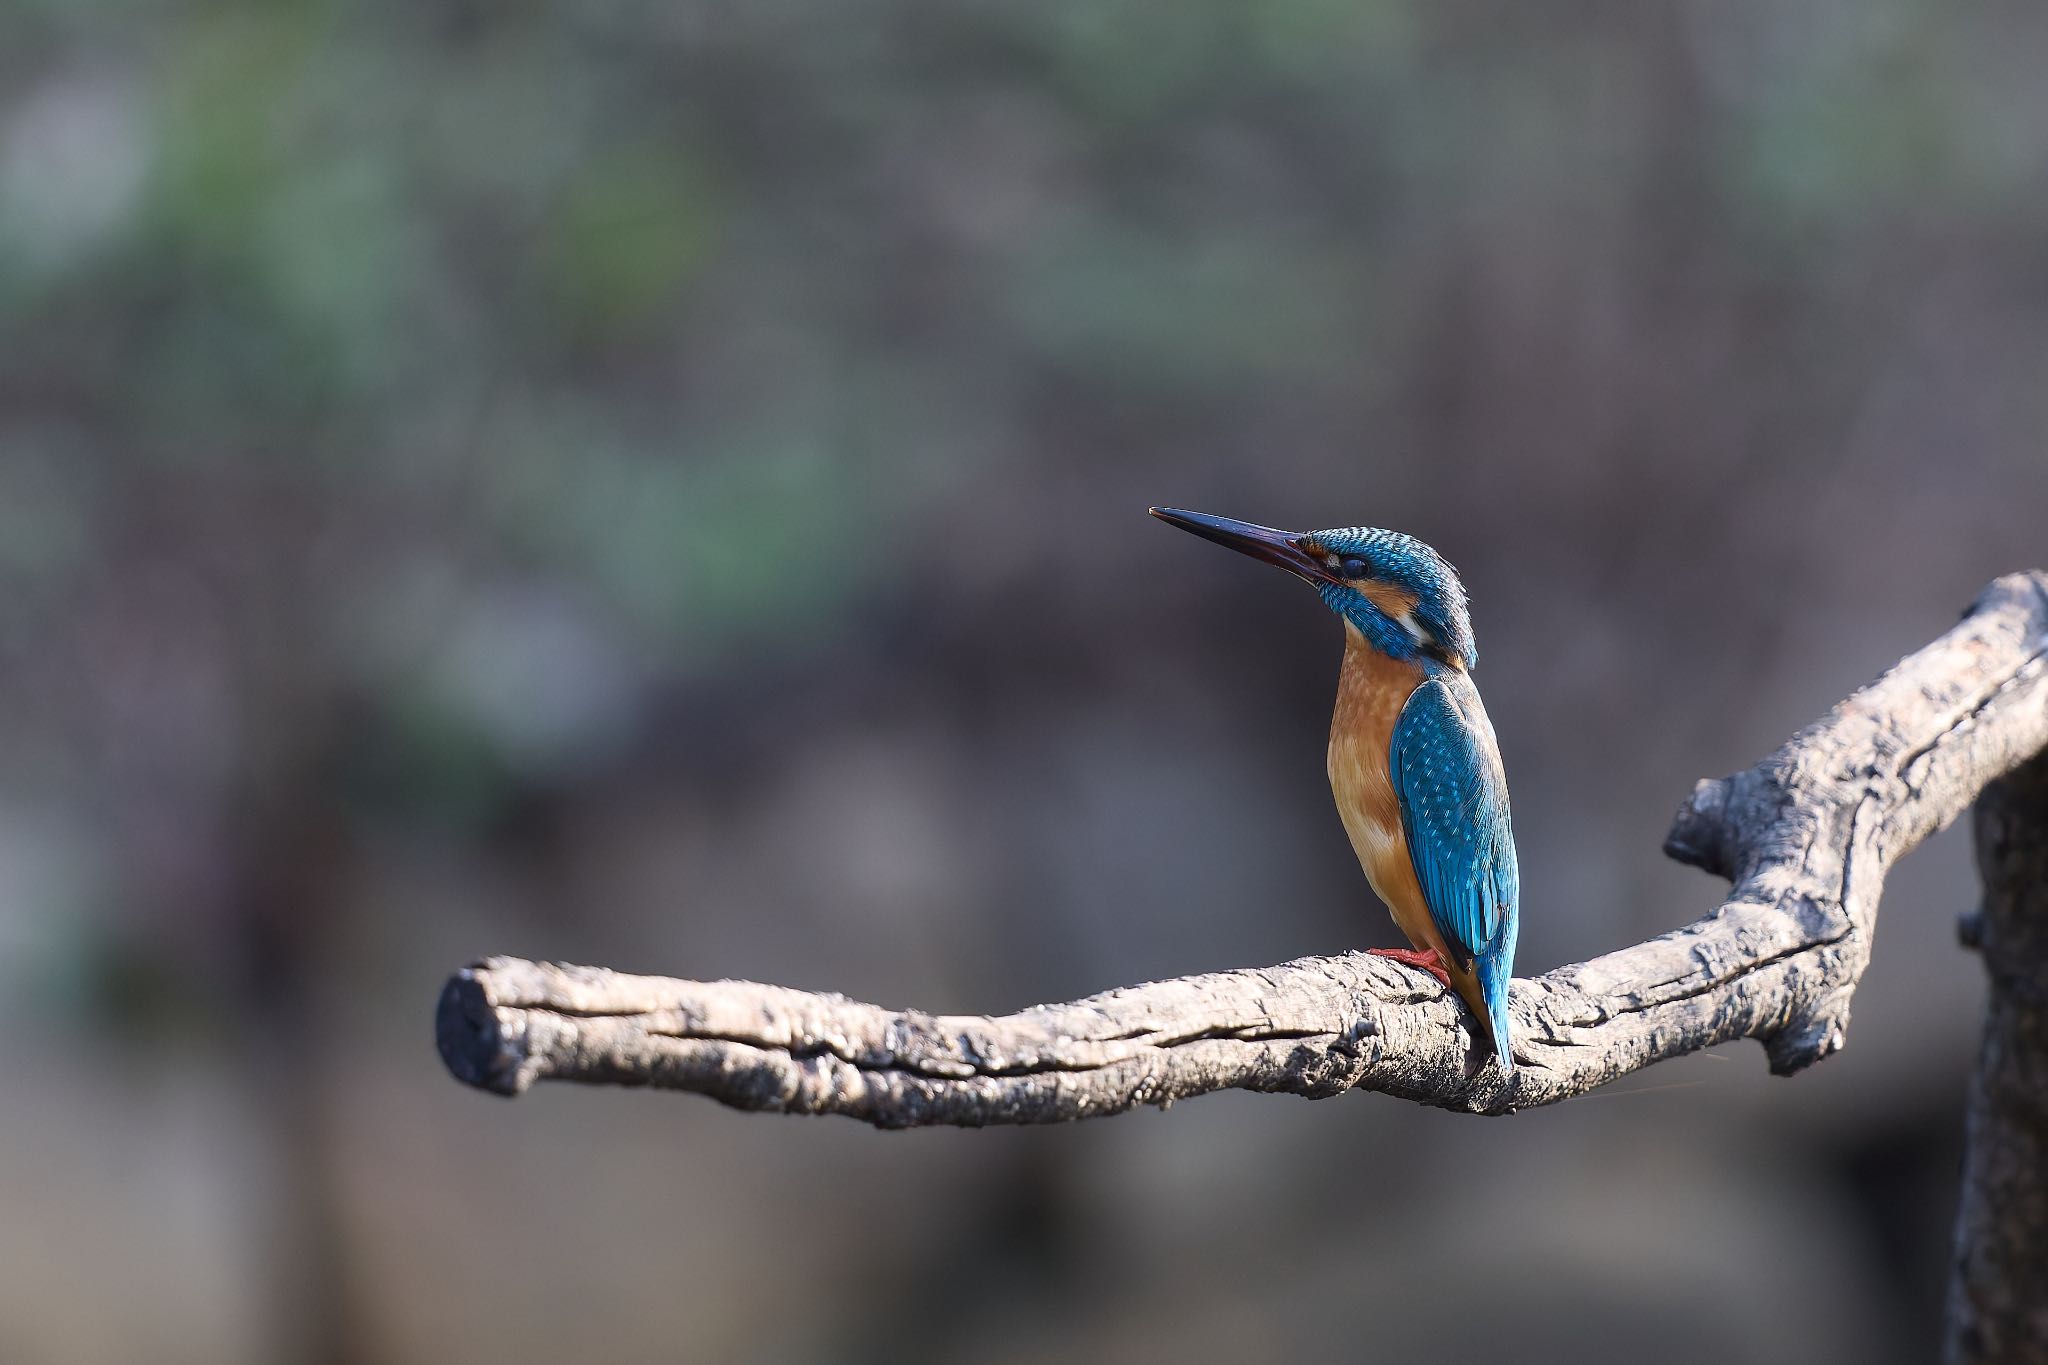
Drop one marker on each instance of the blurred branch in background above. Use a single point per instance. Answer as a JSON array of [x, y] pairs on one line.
[[1808, 836]]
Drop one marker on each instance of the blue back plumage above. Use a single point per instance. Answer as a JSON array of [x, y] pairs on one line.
[[1453, 794]]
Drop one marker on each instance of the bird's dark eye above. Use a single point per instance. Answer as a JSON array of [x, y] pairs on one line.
[[1351, 566]]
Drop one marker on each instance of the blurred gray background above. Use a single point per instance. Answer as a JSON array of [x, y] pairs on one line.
[[662, 485]]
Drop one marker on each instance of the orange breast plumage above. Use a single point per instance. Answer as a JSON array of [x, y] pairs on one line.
[[1371, 690]]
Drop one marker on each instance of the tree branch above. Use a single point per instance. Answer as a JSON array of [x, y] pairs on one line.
[[1807, 837]]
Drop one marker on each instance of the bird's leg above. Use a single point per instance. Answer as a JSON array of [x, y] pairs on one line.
[[1428, 960]]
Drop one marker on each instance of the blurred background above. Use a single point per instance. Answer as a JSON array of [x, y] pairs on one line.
[[661, 485]]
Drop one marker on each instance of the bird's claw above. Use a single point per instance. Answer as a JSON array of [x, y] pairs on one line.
[[1428, 960]]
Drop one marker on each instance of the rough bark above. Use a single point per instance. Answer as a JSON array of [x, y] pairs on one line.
[[1806, 836], [1998, 1289]]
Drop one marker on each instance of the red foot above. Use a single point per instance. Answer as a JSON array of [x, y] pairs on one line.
[[1427, 960]]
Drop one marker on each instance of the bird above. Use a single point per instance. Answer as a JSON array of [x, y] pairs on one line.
[[1413, 762]]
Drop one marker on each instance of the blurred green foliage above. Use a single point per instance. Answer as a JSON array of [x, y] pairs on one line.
[[338, 327]]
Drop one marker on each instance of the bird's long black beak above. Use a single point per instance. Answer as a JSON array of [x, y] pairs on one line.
[[1283, 548]]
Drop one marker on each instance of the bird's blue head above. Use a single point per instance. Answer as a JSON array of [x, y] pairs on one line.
[[1404, 599]]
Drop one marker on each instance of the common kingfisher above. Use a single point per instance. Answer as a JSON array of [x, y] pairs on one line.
[[1413, 761]]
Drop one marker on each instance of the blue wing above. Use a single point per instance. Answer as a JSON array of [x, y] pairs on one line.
[[1454, 809]]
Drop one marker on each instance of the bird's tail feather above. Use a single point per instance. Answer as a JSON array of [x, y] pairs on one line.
[[1493, 984]]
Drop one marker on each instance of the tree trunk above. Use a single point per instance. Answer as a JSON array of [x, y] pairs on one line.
[[1998, 1294]]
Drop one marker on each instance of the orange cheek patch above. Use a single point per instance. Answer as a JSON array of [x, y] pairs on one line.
[[1395, 602]]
